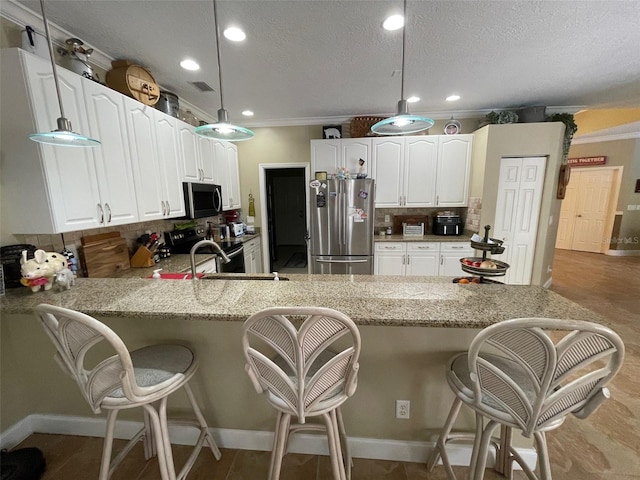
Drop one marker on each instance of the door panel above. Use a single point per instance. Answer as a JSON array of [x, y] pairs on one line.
[[592, 205]]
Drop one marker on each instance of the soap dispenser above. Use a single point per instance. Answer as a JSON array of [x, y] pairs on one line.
[[275, 276], [156, 273]]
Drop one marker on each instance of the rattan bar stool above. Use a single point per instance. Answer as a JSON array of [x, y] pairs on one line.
[[305, 374], [527, 374], [142, 378]]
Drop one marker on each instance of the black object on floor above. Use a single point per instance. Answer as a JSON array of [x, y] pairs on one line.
[[22, 464]]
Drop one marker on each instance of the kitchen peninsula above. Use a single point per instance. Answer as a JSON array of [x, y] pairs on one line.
[[399, 359]]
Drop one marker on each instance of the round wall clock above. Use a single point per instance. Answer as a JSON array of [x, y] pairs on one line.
[[452, 127]]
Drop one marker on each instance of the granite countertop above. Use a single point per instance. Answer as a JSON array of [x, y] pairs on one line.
[[367, 299], [423, 238], [177, 263]]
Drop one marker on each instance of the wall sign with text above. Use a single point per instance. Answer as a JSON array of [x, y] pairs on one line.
[[586, 161]]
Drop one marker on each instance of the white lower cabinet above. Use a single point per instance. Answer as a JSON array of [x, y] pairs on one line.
[[420, 258], [253, 256], [450, 255], [406, 258]]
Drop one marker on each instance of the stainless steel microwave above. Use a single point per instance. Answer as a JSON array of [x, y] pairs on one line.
[[202, 199]]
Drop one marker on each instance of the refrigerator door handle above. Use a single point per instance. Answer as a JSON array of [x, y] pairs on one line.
[[341, 261]]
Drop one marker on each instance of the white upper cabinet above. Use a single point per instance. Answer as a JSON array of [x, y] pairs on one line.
[[421, 171], [454, 170], [168, 155], [197, 155], [325, 156], [233, 179], [227, 173], [45, 189], [153, 141], [420, 157], [330, 155], [105, 110], [387, 168]]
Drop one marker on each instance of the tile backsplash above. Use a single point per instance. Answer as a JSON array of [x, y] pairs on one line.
[[57, 242]]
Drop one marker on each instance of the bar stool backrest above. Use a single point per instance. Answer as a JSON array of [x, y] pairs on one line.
[[539, 381], [306, 369]]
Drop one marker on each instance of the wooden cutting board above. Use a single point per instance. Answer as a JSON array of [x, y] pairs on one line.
[[106, 257]]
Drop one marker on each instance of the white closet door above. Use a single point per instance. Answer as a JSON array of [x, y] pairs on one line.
[[517, 214]]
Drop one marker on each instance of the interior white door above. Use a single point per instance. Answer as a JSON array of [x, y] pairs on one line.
[[592, 205], [517, 214]]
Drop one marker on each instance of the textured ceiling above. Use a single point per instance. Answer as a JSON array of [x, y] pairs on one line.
[[305, 61]]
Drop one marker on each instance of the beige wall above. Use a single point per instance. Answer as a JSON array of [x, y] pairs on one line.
[[396, 363], [593, 120], [525, 140], [624, 153]]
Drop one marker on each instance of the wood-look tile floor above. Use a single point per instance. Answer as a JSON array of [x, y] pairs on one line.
[[605, 446]]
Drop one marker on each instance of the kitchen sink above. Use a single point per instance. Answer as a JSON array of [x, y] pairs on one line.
[[231, 276]]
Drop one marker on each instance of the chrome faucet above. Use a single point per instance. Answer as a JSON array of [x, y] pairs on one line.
[[194, 249]]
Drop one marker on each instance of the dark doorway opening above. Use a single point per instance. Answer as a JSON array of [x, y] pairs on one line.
[[286, 219]]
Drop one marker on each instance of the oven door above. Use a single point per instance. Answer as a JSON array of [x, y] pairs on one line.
[[236, 255]]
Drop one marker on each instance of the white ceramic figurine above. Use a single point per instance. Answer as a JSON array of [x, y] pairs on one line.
[[40, 271]]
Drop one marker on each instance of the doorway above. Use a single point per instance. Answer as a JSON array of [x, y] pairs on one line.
[[283, 189], [588, 209]]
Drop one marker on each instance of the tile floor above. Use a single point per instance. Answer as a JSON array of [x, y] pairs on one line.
[[605, 446]]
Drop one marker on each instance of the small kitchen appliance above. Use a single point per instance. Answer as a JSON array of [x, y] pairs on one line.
[[202, 199], [447, 223]]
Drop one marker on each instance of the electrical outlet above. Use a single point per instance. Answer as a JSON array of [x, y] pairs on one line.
[[402, 408], [387, 219]]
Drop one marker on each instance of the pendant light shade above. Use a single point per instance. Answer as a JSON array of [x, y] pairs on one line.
[[64, 135], [222, 129], [403, 122]]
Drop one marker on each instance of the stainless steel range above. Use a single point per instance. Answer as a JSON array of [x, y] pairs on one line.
[[181, 242]]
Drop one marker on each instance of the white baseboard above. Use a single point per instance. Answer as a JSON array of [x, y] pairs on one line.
[[623, 253], [370, 448]]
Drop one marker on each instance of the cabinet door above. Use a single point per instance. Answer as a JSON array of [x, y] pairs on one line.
[[206, 160], [70, 172], [454, 167], [325, 156], [233, 171], [420, 158], [353, 150], [105, 109], [168, 155], [422, 258], [389, 258], [189, 153], [450, 255], [147, 174], [387, 160]]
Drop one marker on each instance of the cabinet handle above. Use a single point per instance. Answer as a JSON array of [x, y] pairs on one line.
[[437, 199], [164, 208], [168, 208], [441, 259], [101, 213], [201, 174], [108, 212], [403, 259], [408, 259]]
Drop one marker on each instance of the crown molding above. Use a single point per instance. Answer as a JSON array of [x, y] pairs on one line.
[[620, 132]]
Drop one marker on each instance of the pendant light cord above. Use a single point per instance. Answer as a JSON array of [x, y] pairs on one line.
[[215, 22], [53, 63], [404, 37]]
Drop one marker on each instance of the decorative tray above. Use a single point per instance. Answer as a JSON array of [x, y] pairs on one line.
[[500, 270]]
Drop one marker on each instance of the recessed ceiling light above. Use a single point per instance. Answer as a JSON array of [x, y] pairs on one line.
[[394, 22], [453, 98], [189, 64], [413, 99], [234, 34], [248, 113]]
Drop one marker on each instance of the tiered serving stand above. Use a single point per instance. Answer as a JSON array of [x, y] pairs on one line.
[[487, 245]]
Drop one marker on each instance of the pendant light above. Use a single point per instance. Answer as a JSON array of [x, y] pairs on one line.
[[403, 122], [223, 129], [64, 136]]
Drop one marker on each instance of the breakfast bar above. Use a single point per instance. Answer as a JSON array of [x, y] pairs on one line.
[[410, 326]]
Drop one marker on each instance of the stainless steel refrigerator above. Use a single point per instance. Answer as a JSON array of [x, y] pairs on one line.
[[342, 218]]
